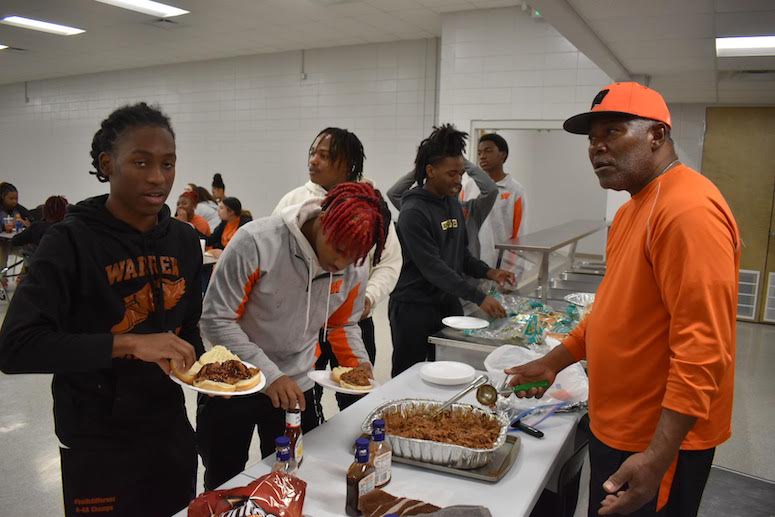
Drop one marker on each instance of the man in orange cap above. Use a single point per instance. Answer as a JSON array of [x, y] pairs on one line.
[[664, 314]]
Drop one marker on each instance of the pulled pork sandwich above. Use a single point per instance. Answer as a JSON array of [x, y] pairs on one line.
[[219, 370]]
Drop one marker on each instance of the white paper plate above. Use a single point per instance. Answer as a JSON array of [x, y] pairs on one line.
[[465, 322], [580, 299], [323, 377], [448, 373], [254, 389]]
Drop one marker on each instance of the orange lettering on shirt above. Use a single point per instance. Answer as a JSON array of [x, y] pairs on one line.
[[115, 272], [130, 272], [166, 268]]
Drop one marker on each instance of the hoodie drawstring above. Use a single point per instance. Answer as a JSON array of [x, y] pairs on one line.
[[328, 305], [309, 291]]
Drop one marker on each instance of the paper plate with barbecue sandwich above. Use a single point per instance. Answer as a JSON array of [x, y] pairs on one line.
[[343, 379], [220, 372]]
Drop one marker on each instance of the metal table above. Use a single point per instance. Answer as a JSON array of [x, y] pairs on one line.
[[549, 240]]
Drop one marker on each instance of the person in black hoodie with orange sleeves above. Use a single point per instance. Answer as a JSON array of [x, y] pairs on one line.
[[111, 299]]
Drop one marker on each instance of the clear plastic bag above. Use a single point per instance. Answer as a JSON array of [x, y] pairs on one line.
[[571, 384]]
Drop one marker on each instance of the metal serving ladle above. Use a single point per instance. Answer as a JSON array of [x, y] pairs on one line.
[[480, 381], [487, 394]]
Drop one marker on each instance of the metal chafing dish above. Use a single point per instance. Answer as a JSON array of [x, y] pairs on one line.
[[438, 453]]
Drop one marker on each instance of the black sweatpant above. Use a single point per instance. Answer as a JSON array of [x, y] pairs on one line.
[[410, 326], [691, 474], [224, 430], [327, 357], [155, 479]]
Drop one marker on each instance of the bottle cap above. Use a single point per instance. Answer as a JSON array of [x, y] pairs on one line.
[[362, 443], [282, 441], [378, 423]]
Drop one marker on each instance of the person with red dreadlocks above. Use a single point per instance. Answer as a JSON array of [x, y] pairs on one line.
[[336, 156], [281, 279]]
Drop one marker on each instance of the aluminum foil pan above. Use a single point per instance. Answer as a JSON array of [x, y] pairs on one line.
[[580, 299], [446, 454]]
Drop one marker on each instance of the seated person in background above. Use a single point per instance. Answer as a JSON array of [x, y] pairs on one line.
[[185, 212], [219, 189], [436, 256], [475, 208], [280, 281], [506, 220], [207, 207], [232, 217], [336, 156], [9, 205], [54, 210]]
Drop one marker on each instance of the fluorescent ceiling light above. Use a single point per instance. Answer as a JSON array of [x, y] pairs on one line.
[[147, 7], [3, 46], [37, 25], [745, 46]]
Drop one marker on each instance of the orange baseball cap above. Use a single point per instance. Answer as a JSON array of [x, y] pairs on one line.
[[625, 99]]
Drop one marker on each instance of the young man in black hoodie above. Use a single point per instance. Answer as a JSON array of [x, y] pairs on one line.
[[432, 231], [111, 299]]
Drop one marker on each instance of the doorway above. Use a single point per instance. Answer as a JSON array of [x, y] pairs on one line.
[[737, 158]]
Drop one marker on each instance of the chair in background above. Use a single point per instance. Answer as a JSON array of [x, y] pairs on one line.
[[563, 502], [5, 274]]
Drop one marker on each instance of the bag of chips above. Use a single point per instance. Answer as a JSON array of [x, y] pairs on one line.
[[276, 494]]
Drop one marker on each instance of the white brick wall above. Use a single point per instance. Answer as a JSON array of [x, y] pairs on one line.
[[501, 64], [251, 118]]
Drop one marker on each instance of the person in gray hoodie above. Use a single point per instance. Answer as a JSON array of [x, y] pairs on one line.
[[280, 280]]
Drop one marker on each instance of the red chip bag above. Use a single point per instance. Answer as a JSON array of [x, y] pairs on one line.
[[272, 495]]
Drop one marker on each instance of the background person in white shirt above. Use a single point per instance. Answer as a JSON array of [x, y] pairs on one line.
[[507, 218]]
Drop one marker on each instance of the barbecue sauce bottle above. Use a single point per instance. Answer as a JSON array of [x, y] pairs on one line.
[[293, 432], [360, 478], [381, 453]]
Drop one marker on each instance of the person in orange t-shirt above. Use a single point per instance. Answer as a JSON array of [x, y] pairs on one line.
[[232, 217], [660, 340]]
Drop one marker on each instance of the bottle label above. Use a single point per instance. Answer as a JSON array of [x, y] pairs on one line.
[[298, 451], [367, 484], [292, 419], [382, 464]]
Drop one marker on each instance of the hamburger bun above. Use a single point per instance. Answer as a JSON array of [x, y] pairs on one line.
[[349, 386], [248, 383], [336, 373], [188, 375], [215, 386]]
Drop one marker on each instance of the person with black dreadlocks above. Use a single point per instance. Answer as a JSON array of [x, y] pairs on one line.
[[432, 231], [336, 156], [279, 281], [112, 297]]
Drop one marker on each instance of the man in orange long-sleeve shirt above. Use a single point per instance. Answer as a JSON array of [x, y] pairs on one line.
[[660, 340]]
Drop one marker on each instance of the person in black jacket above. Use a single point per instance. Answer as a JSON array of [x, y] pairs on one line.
[[110, 301], [9, 204], [432, 231], [54, 210]]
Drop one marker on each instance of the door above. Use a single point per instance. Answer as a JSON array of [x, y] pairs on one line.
[[737, 157]]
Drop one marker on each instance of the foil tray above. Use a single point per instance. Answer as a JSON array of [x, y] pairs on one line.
[[437, 453]]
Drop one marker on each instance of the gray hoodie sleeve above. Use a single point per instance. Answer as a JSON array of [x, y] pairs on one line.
[[400, 187], [235, 275], [479, 208]]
